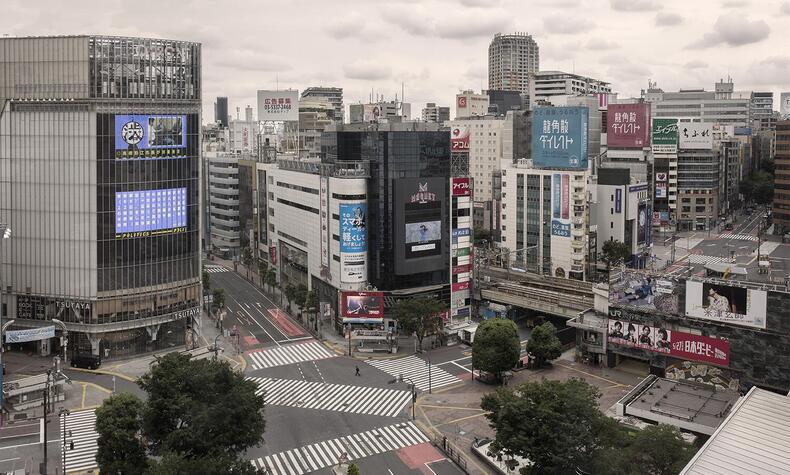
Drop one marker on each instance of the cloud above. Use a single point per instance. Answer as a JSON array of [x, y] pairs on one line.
[[773, 70], [785, 8], [457, 23], [601, 44], [250, 60], [352, 25], [565, 25], [734, 3], [668, 19], [635, 5], [696, 64], [733, 29], [367, 70]]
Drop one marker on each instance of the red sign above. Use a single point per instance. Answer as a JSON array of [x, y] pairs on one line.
[[459, 139], [628, 125], [273, 255], [674, 343], [462, 269], [461, 101], [361, 307], [566, 187], [460, 286], [461, 187]]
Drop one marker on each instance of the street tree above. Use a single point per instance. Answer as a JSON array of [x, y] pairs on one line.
[[246, 259], [119, 423], [177, 464], [496, 347], [263, 268], [353, 469], [200, 408], [543, 344], [614, 253], [658, 450], [290, 294], [311, 305], [206, 279], [271, 279], [219, 298], [554, 424], [300, 296], [420, 315]]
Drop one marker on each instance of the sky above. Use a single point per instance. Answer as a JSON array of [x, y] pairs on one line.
[[435, 48]]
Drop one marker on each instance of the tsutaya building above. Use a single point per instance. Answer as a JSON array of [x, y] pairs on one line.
[[99, 179]]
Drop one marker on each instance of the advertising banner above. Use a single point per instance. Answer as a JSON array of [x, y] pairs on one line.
[[784, 104], [646, 291], [460, 102], [371, 113], [278, 105], [459, 140], [461, 232], [422, 220], [464, 251], [628, 125], [556, 189], [560, 224], [661, 190], [656, 218], [462, 187], [362, 307], [150, 137], [661, 177], [641, 223], [353, 242], [558, 228], [559, 137], [461, 269], [726, 303], [150, 212], [674, 343], [324, 217], [32, 334], [460, 286], [566, 189], [618, 200], [695, 135], [665, 135]]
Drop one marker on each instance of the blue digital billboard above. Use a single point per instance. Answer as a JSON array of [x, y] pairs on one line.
[[150, 212], [559, 137], [353, 228], [150, 137]]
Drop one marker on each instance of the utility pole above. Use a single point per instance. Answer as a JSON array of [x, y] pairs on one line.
[[64, 413], [46, 413]]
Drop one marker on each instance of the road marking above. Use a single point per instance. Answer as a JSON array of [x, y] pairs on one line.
[[289, 354], [417, 370], [588, 374], [454, 421], [215, 268], [257, 322], [462, 367], [82, 426], [324, 454], [332, 397]]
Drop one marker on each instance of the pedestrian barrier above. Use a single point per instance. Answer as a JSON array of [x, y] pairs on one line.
[[451, 452]]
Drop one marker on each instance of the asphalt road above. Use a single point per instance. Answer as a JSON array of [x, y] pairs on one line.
[[350, 404]]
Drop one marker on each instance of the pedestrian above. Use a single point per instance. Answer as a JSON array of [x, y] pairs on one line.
[[357, 373]]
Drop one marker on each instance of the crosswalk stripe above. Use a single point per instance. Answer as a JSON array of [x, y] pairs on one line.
[[417, 370], [332, 397], [82, 425], [702, 259], [289, 354], [743, 237], [216, 269], [326, 453]]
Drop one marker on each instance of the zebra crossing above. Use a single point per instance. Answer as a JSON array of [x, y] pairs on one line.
[[742, 237], [332, 397], [701, 259], [417, 370], [213, 269], [82, 426], [324, 454], [289, 354]]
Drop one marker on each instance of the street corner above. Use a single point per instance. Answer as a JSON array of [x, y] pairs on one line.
[[117, 374], [421, 457], [83, 395]]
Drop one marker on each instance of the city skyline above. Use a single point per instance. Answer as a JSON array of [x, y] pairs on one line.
[[438, 47]]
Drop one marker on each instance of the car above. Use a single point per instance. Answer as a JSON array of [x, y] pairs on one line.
[[86, 361], [728, 227]]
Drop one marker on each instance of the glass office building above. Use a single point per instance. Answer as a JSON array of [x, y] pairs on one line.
[[99, 180]]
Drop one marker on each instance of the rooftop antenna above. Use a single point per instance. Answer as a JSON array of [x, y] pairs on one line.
[[277, 81], [402, 92]]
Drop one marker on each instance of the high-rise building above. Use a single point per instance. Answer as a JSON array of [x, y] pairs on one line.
[[781, 207], [333, 95], [511, 60], [485, 140], [223, 189], [546, 84], [784, 105], [105, 212], [499, 102], [433, 113], [469, 103], [315, 115], [724, 105], [221, 111]]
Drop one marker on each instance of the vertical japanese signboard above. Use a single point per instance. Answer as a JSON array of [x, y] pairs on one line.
[[461, 244], [560, 222], [324, 216], [353, 242], [459, 138], [559, 137], [628, 125]]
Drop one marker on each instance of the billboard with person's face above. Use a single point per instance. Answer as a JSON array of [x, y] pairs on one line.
[[726, 303], [362, 307]]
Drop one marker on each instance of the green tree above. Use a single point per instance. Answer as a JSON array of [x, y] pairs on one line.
[[118, 422], [311, 305], [246, 259], [353, 470], [177, 464], [421, 316], [206, 278], [271, 279], [659, 450], [544, 344], [263, 268], [615, 253], [496, 347], [219, 298], [300, 296], [554, 424], [481, 235], [290, 294], [200, 408]]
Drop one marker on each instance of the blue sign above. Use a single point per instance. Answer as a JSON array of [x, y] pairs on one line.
[[556, 190], [150, 137], [460, 232], [618, 200], [150, 210], [558, 228], [559, 137], [353, 227]]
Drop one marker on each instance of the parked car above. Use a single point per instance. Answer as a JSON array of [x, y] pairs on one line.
[[86, 361]]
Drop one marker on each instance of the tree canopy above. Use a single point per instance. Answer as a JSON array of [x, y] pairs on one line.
[[544, 344], [758, 187], [118, 422], [421, 316], [496, 347], [219, 297], [615, 253]]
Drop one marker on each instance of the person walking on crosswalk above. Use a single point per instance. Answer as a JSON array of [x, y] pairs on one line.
[[357, 369]]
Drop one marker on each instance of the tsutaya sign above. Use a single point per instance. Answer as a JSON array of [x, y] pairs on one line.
[[73, 304]]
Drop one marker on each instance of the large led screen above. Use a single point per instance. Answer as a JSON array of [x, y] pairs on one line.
[[150, 137], [150, 212], [423, 229]]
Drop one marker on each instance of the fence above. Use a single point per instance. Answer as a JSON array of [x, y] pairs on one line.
[[451, 452]]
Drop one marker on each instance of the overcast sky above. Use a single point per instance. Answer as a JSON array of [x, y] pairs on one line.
[[438, 47]]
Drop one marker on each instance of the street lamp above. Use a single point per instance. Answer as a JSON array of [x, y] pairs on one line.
[[216, 346], [400, 379], [6, 235], [63, 413]]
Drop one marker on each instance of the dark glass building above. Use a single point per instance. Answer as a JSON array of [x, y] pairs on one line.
[[99, 179]]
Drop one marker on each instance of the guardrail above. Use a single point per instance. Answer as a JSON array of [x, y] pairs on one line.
[[451, 452]]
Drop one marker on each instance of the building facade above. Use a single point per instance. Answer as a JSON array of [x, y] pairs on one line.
[[333, 95], [511, 60], [221, 111], [762, 110], [223, 191], [546, 84], [781, 206], [723, 105], [469, 104], [433, 113], [105, 212], [485, 146]]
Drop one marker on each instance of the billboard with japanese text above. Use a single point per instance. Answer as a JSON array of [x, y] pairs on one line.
[[150, 137], [560, 218], [459, 138], [559, 137], [695, 135], [362, 307], [278, 105], [628, 125], [353, 242], [726, 303], [665, 135]]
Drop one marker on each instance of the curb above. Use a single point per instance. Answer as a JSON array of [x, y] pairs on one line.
[[108, 373]]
